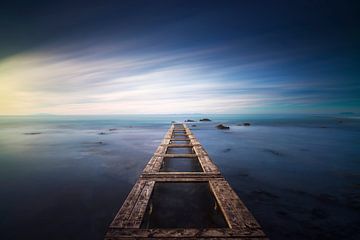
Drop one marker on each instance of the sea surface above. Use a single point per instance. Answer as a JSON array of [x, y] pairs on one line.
[[65, 177]]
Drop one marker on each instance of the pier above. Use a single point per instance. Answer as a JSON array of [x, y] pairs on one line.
[[182, 194]]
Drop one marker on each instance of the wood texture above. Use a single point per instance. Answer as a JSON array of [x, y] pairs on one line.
[[127, 222]]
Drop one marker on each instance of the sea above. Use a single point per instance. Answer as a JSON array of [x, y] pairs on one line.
[[65, 177]]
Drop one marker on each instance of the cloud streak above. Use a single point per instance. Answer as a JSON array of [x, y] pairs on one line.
[[113, 80]]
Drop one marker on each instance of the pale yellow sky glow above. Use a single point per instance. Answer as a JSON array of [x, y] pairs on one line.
[[54, 83]]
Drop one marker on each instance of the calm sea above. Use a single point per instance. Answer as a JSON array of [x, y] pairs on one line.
[[65, 177]]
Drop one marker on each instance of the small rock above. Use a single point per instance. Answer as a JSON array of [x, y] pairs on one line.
[[193, 125], [101, 133], [32, 133], [273, 152], [222, 126], [205, 120], [227, 150], [247, 124], [189, 120], [112, 129]]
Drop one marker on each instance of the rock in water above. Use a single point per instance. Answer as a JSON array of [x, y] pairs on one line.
[[189, 120], [247, 124], [205, 120], [32, 133], [222, 126]]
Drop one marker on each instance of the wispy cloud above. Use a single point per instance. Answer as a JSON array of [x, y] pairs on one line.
[[113, 79]]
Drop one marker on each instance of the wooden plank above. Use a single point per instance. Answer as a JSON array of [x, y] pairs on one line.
[[161, 150], [174, 145], [187, 233], [127, 222], [199, 150], [171, 155], [135, 219], [180, 135], [235, 212], [181, 176], [154, 164], [127, 207]]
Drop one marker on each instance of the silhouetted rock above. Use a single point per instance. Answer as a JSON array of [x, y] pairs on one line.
[[222, 126], [189, 120], [247, 124], [205, 120], [193, 125], [227, 150], [32, 133], [273, 152], [101, 133], [112, 129]]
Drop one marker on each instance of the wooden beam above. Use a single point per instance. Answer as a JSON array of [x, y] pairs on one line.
[[127, 222]]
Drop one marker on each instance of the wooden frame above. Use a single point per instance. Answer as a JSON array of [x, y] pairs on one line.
[[127, 222]]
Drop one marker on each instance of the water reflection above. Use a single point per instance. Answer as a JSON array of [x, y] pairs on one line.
[[183, 205]]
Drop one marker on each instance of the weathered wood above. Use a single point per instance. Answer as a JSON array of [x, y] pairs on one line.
[[127, 222], [178, 145], [176, 233], [182, 176], [126, 209], [135, 219], [175, 155]]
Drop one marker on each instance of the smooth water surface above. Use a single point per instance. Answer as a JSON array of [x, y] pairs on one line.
[[65, 177]]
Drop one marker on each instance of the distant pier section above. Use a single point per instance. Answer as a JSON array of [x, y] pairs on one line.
[[182, 194]]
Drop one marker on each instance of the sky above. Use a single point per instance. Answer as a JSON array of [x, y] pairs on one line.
[[161, 57]]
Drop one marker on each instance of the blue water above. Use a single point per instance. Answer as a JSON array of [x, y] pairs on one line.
[[65, 177]]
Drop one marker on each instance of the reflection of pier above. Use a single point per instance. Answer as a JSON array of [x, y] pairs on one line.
[[181, 194]]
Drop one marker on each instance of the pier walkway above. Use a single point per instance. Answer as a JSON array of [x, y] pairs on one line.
[[182, 194]]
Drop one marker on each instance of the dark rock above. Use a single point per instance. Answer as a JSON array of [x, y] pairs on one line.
[[189, 120], [222, 126], [100, 142], [205, 120], [193, 125], [32, 133], [273, 152], [247, 124], [227, 150], [101, 133], [112, 129]]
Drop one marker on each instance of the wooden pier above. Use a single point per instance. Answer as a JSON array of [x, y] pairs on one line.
[[135, 219]]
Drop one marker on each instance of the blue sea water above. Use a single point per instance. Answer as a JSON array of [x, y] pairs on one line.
[[65, 177]]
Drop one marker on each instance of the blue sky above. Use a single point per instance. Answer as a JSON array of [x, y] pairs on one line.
[[112, 57]]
